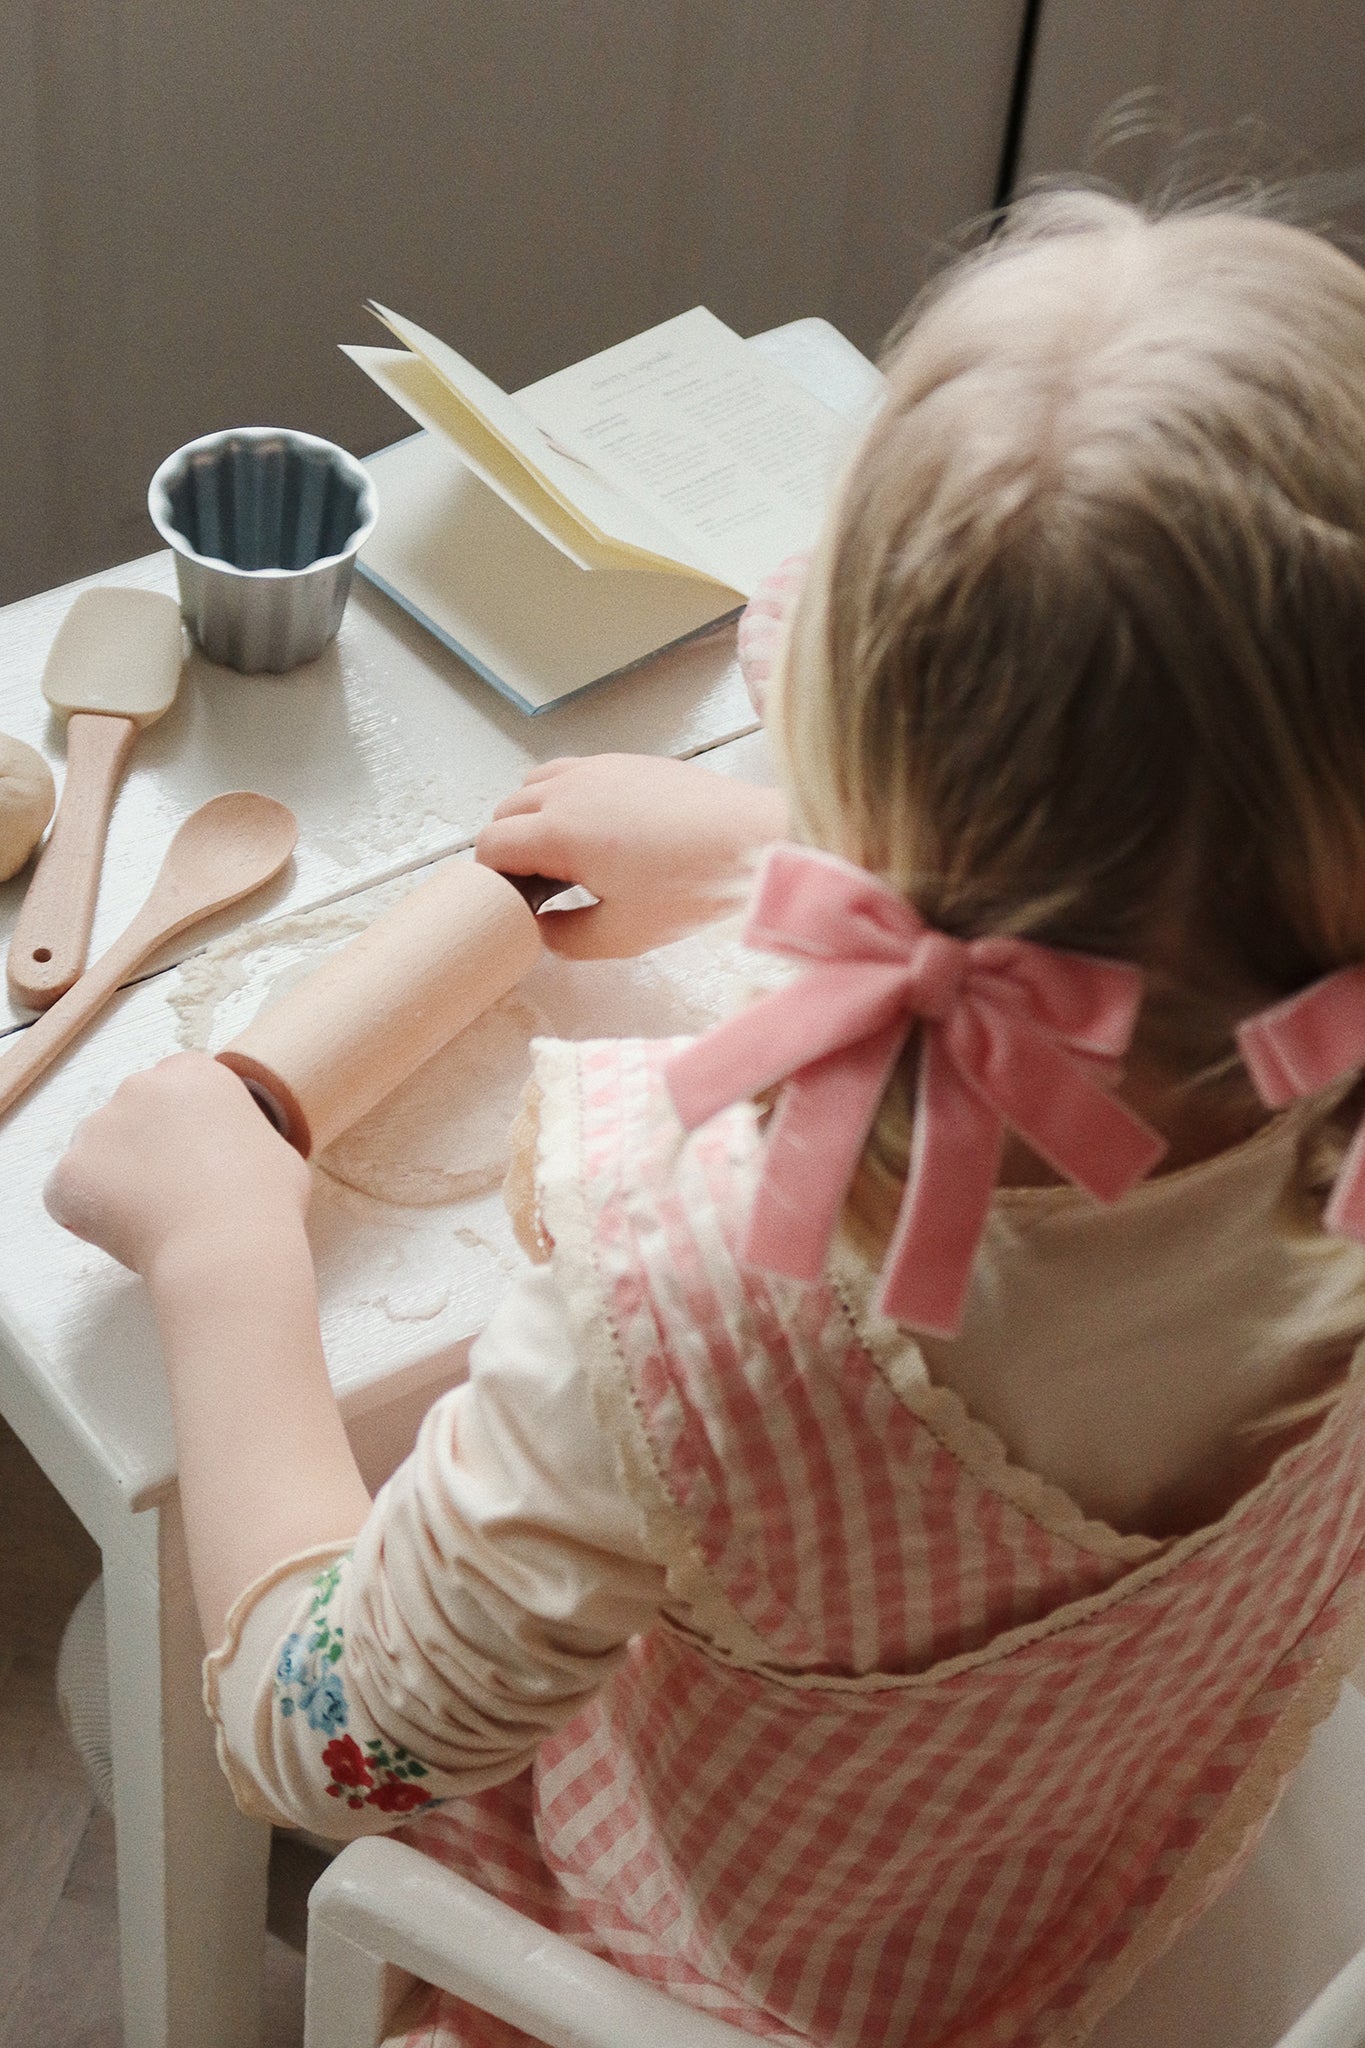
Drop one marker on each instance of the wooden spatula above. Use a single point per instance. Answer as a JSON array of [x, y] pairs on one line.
[[228, 847], [113, 668]]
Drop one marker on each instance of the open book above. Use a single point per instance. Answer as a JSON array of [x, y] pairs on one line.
[[561, 535]]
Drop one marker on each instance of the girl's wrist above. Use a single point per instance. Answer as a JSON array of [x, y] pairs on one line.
[[216, 1251]]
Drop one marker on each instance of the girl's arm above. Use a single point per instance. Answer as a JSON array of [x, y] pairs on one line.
[[455, 1622], [492, 1590], [182, 1180], [664, 845]]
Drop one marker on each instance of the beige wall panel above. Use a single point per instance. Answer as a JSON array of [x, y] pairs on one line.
[[24, 552], [765, 106], [1296, 71], [491, 170], [213, 192], [83, 199], [925, 150], [821, 153]]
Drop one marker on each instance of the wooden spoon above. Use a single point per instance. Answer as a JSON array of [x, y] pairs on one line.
[[228, 847]]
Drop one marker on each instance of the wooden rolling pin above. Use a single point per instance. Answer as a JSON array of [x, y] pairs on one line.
[[377, 1009]]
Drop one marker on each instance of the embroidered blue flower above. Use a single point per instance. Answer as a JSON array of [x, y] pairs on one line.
[[292, 1668], [306, 1680], [325, 1704]]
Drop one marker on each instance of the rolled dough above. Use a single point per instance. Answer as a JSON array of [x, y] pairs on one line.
[[443, 1135]]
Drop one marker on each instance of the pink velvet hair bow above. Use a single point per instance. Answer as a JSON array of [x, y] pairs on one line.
[[1303, 1045], [1012, 1033]]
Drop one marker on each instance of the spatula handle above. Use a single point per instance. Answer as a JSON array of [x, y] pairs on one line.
[[47, 951], [32, 1052]]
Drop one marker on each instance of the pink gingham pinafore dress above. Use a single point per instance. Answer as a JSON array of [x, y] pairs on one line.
[[918, 1754]]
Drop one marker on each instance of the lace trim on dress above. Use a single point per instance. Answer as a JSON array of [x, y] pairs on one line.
[[706, 1618], [974, 1443]]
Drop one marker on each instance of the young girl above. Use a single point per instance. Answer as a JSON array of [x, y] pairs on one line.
[[899, 1533]]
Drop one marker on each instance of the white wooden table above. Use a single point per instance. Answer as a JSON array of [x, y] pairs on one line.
[[391, 756]]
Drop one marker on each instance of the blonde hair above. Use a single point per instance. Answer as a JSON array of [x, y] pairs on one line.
[[1082, 655]]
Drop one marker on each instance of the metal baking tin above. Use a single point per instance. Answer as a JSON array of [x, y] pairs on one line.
[[265, 524]]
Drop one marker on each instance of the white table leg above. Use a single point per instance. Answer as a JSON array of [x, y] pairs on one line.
[[191, 1868]]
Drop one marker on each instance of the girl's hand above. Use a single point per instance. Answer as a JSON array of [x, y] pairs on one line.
[[179, 1155], [181, 1178], [664, 845]]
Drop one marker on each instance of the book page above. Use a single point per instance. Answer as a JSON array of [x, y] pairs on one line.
[[726, 451], [415, 386], [480, 414], [502, 597]]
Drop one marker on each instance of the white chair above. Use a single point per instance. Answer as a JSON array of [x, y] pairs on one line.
[[1284, 1948], [383, 1918]]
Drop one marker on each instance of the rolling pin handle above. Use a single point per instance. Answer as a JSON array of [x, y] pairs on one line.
[[273, 1096], [268, 1106], [537, 889]]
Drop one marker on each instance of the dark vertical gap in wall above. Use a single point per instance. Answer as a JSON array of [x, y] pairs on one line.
[[1018, 107]]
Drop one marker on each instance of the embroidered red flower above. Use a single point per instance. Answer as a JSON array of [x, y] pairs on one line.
[[395, 1797], [345, 1760]]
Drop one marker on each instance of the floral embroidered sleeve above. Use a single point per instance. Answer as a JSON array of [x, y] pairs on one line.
[[491, 1591], [368, 1772], [294, 1747]]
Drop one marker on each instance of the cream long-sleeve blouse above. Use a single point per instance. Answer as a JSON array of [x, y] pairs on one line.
[[494, 1586], [1120, 1353]]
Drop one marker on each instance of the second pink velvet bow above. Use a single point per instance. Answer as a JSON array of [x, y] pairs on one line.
[[1303, 1045], [1012, 1034]]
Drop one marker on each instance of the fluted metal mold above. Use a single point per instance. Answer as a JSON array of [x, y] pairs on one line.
[[265, 524]]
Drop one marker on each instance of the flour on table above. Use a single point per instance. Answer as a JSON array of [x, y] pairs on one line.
[[442, 1135], [417, 1304], [216, 993]]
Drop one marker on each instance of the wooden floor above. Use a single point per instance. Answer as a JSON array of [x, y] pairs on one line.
[[58, 1915]]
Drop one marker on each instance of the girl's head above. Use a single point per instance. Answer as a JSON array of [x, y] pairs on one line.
[[1082, 657]]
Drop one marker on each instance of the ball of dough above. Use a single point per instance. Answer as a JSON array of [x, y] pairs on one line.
[[27, 797]]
